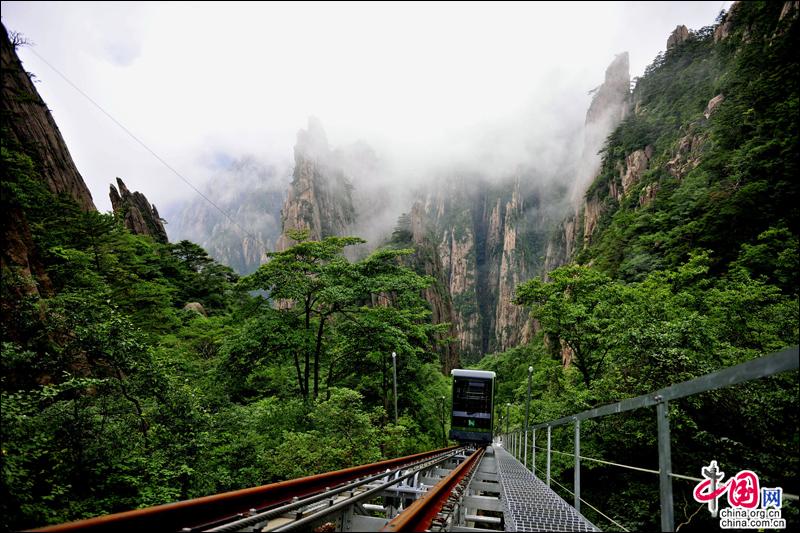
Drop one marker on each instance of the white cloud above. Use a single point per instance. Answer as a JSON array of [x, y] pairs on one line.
[[199, 82]]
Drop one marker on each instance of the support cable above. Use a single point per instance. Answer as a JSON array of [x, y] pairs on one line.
[[590, 505], [153, 153], [787, 496]]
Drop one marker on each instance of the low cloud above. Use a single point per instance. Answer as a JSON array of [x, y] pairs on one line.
[[486, 86]]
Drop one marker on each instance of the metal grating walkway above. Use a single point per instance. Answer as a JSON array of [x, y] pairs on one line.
[[530, 505]]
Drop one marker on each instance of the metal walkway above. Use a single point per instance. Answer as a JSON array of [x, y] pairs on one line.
[[529, 504]]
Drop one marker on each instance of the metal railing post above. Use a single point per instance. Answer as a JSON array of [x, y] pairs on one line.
[[548, 456], [394, 371], [664, 465], [527, 412], [577, 465]]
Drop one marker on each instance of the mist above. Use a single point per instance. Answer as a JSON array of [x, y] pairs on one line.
[[433, 89]]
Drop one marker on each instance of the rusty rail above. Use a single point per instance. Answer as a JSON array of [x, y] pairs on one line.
[[207, 510], [418, 515]]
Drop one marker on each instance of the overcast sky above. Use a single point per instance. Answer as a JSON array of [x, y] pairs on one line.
[[204, 83]]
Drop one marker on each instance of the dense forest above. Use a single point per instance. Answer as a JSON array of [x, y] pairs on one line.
[[700, 276], [137, 372]]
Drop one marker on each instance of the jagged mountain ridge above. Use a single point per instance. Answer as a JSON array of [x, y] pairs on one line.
[[319, 198], [477, 234], [137, 213]]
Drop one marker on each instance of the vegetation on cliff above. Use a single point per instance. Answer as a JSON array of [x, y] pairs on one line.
[[115, 396], [692, 267]]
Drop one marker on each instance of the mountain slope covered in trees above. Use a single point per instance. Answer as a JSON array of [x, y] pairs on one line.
[[685, 262]]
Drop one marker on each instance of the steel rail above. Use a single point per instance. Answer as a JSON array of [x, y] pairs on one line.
[[229, 505], [277, 511], [419, 515], [312, 518]]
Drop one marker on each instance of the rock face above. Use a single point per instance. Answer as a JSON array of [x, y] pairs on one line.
[[322, 200], [790, 9], [427, 261], [686, 154], [137, 213], [28, 127], [195, 307], [319, 198], [611, 103], [648, 194], [611, 100], [724, 28], [19, 254], [635, 165], [484, 230], [31, 127], [678, 35], [712, 105]]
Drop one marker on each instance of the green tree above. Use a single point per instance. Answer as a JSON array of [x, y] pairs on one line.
[[314, 282], [573, 309]]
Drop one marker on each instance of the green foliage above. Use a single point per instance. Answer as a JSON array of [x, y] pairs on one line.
[[637, 337], [114, 397], [702, 278], [338, 314], [340, 434], [573, 308], [742, 184]]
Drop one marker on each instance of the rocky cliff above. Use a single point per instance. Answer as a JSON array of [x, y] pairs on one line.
[[696, 167], [489, 234], [410, 233], [30, 126], [29, 131], [319, 198], [138, 215], [478, 234], [330, 186], [611, 103]]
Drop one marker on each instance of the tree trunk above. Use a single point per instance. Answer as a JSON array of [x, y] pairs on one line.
[[308, 349], [317, 351], [299, 375]]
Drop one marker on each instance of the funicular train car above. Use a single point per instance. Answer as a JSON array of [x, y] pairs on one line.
[[473, 406]]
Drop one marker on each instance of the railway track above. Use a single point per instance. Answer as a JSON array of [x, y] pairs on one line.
[[414, 493]]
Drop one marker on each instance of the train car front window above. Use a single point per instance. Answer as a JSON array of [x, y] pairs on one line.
[[472, 402]]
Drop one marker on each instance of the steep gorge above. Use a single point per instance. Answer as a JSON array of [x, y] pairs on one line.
[[478, 234]]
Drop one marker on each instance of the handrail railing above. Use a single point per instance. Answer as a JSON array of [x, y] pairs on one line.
[[765, 366]]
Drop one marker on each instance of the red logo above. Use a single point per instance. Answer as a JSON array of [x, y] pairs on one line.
[[743, 490]]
